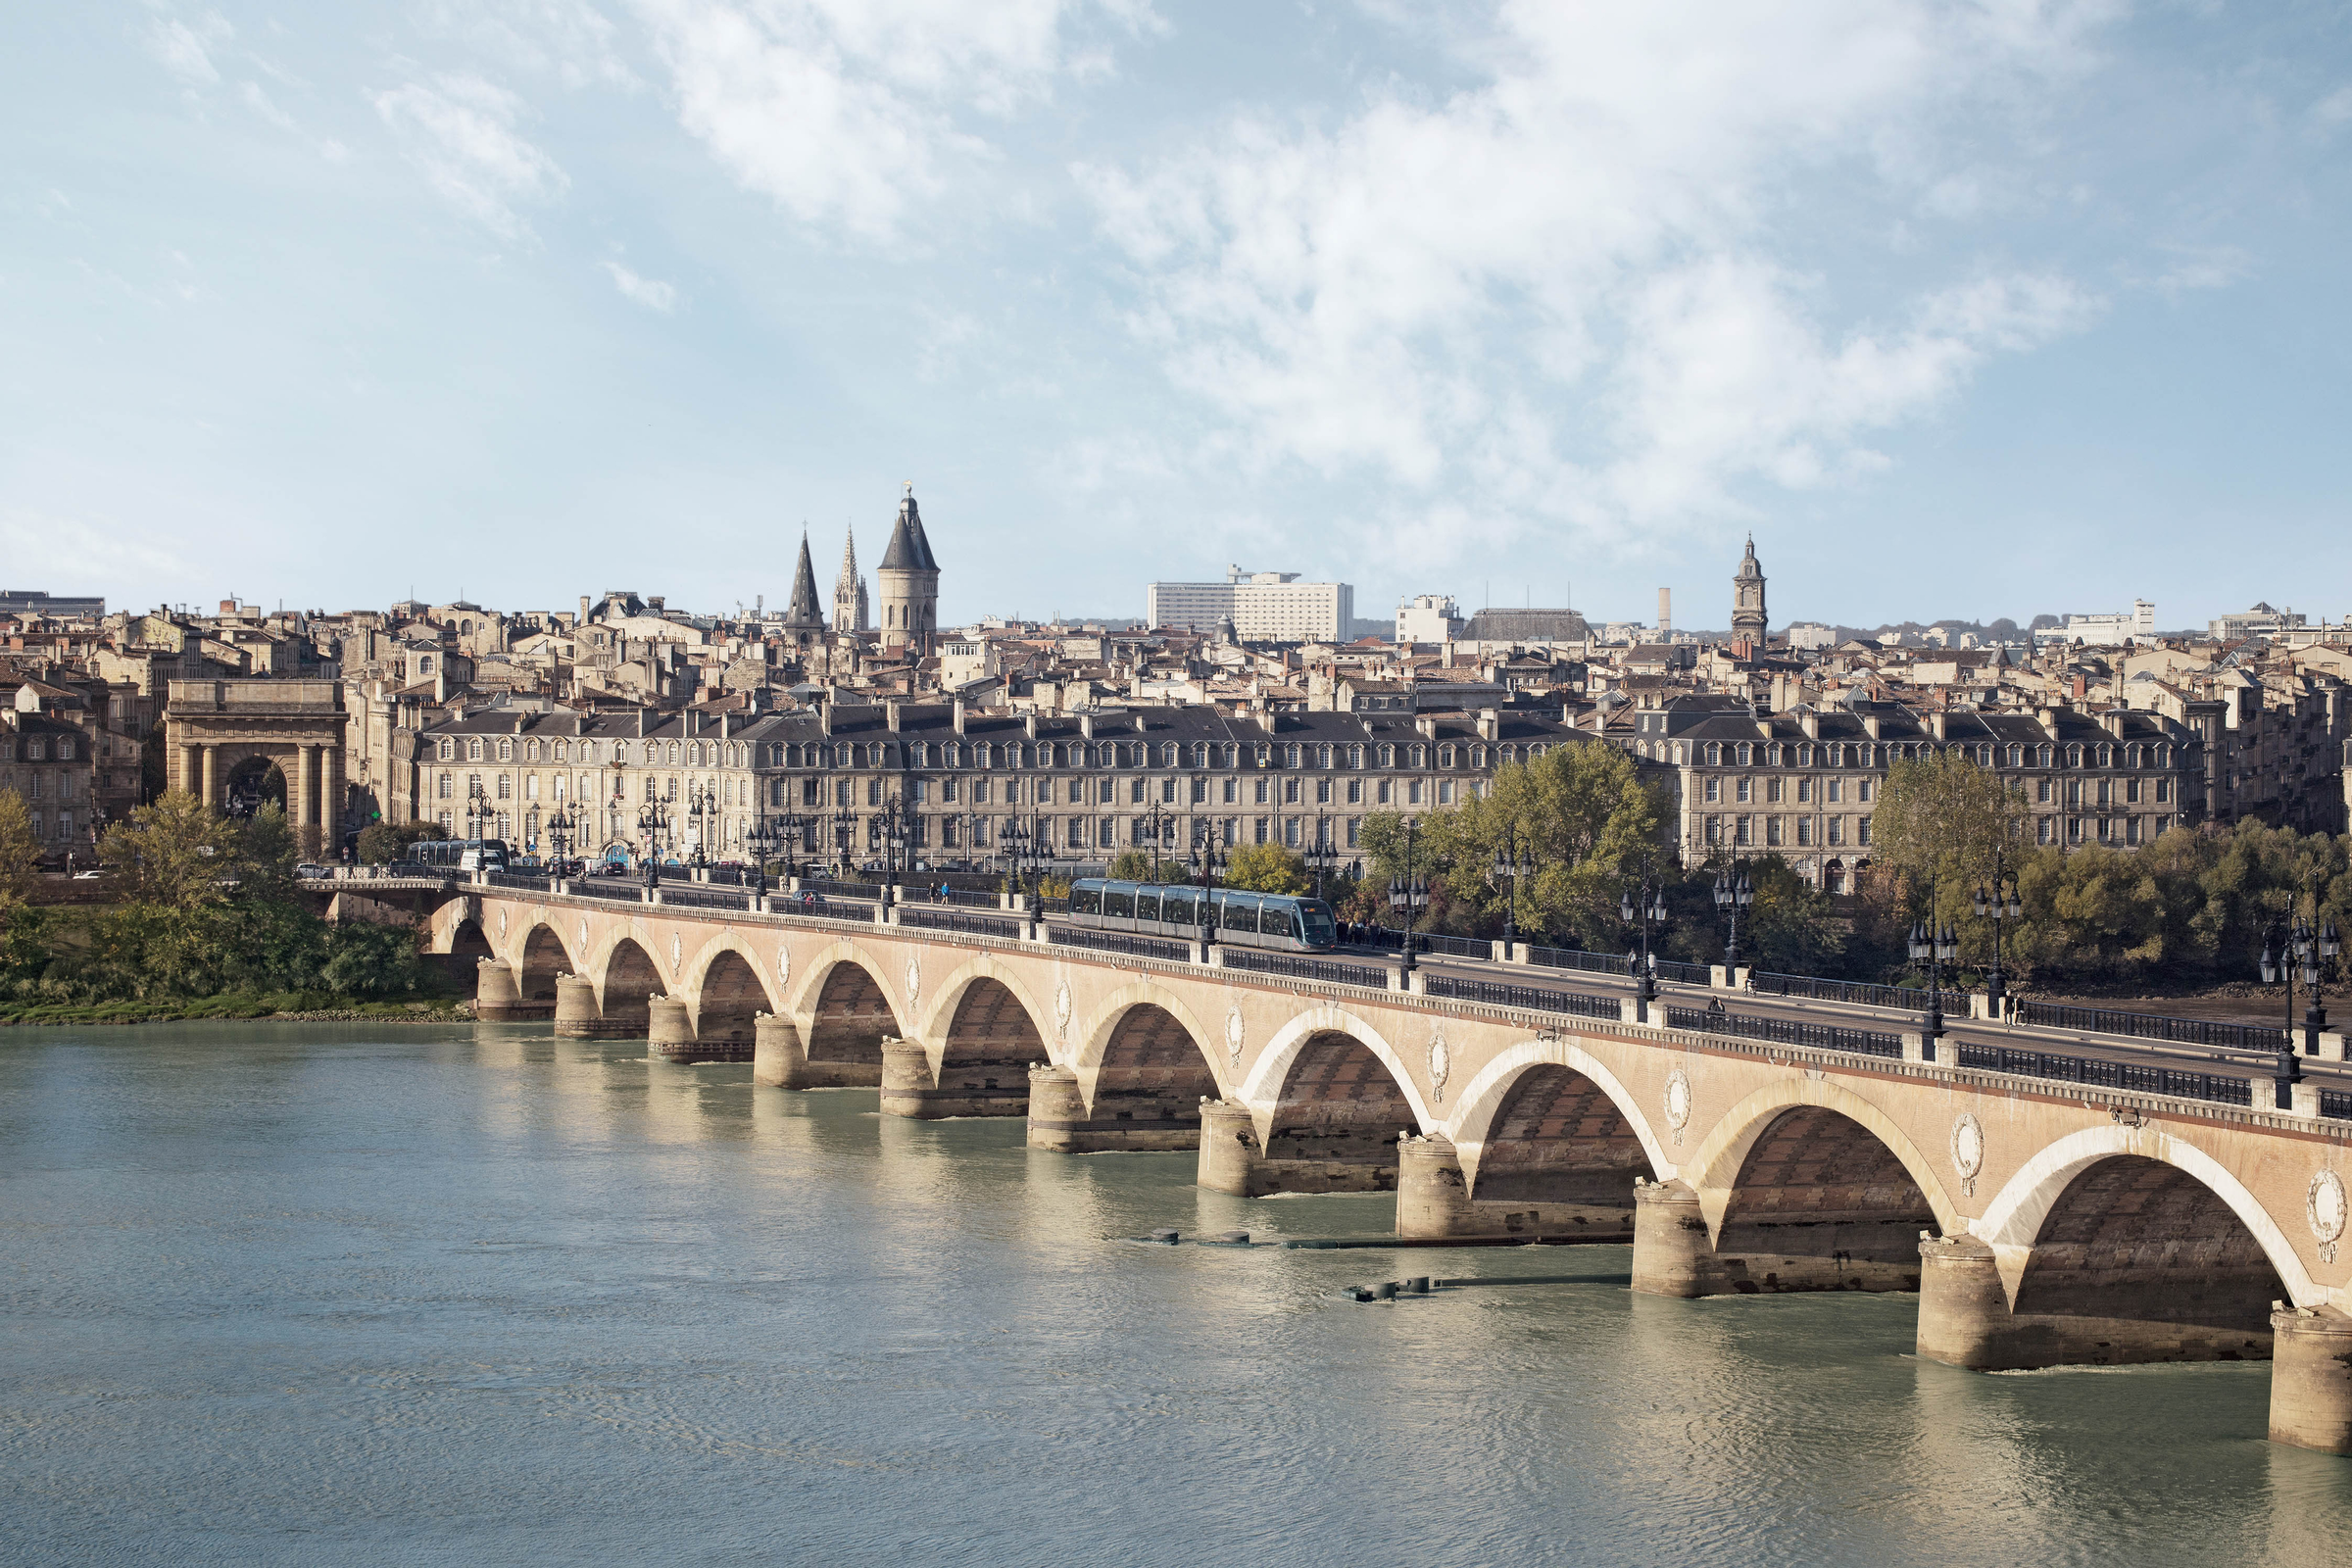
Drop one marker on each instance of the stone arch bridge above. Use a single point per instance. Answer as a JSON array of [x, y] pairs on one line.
[[2041, 1223]]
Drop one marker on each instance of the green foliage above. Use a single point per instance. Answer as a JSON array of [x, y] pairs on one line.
[[1580, 810], [1266, 868], [383, 843], [1942, 815], [179, 852], [18, 850], [1129, 865]]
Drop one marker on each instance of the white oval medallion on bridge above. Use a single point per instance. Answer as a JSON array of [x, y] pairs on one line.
[[914, 981], [677, 953], [1233, 1036], [1440, 1062], [583, 938], [1968, 1151], [2324, 1206], [783, 964], [1677, 1100], [1061, 1010]]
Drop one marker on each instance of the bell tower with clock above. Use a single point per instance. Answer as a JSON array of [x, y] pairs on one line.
[[1748, 620]]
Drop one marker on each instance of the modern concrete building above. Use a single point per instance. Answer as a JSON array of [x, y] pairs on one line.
[[2113, 631], [1265, 606], [1427, 618]]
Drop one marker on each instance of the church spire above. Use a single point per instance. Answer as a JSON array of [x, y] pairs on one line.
[[803, 612], [849, 592]]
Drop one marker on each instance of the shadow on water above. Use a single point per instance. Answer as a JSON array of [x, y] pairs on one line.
[[406, 1296]]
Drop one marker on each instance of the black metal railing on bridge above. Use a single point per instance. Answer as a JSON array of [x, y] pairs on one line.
[[1327, 970], [619, 889], [1451, 947], [1714, 1019], [1812, 988], [2217, 1087], [1531, 998], [521, 879], [942, 919], [2151, 1026], [1679, 973], [832, 889], [1133, 947], [702, 896], [2336, 1103]]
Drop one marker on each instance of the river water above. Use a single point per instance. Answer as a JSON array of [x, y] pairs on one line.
[[298, 1294]]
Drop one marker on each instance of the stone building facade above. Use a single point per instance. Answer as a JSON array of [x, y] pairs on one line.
[[1089, 785], [1805, 784]]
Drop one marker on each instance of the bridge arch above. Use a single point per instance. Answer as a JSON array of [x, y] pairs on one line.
[[844, 1009], [983, 997], [1547, 1123], [1333, 1098], [539, 957], [626, 984], [1482, 1102], [1805, 1185], [1144, 1063], [2080, 1192]]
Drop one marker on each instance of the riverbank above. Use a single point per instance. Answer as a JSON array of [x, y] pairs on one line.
[[279, 1006]]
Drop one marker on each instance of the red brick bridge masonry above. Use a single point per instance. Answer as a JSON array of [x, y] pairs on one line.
[[2042, 1223]]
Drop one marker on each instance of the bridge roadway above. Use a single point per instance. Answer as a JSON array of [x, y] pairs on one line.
[[2042, 1223]]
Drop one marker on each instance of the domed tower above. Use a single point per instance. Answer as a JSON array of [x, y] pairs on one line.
[[1749, 621], [909, 580]]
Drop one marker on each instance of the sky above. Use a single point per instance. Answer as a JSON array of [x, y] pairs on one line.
[[1960, 310]]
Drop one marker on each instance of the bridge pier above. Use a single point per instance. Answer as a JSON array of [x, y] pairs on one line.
[[969, 1088], [778, 1058], [496, 998], [2311, 1379], [2096, 1313], [1231, 1160], [1132, 1122], [1433, 1200], [1674, 1253], [577, 1017]]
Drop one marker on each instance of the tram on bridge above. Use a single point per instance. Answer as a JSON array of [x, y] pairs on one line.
[[1173, 909]]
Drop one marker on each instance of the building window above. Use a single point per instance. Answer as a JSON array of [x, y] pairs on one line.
[[1772, 830], [1804, 830], [1714, 788], [1714, 830], [1863, 793], [1773, 790], [1743, 828], [1836, 830], [1804, 791], [1412, 792], [1862, 832], [1744, 789]]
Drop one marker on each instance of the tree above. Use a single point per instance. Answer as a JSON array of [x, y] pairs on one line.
[[176, 853], [1129, 865], [1580, 809], [1266, 868], [383, 843], [20, 851], [1942, 816]]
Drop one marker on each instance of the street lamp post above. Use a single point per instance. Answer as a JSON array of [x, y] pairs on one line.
[[1156, 823], [1514, 863], [1207, 861], [1644, 907], [2288, 946], [1934, 945], [653, 821], [1322, 856], [761, 838], [477, 811], [560, 829], [1020, 848], [1734, 892], [1408, 894], [2001, 904], [896, 821]]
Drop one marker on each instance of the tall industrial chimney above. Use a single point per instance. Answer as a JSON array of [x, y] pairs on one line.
[[1665, 612]]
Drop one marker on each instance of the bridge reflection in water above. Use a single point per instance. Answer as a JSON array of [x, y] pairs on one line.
[[2042, 1223]]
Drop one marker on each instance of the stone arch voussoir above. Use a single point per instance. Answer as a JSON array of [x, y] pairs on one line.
[[1485, 1095], [1714, 1165]]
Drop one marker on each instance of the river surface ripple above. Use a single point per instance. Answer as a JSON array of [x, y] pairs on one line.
[[331, 1295]]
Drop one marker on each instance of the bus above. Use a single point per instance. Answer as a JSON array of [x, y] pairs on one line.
[[1173, 909], [461, 854]]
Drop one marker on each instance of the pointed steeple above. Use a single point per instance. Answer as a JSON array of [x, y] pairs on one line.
[[849, 563], [802, 610]]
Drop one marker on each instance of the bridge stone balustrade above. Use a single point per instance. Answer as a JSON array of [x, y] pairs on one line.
[[2040, 1221]]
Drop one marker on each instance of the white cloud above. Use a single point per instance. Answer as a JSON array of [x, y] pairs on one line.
[[258, 102], [846, 112], [569, 39], [186, 51], [71, 550], [645, 291], [2334, 108], [1578, 292], [460, 131]]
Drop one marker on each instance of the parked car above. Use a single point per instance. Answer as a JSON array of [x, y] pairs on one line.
[[309, 871]]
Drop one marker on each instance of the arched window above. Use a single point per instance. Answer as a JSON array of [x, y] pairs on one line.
[[2041, 756], [1168, 753], [1804, 756], [473, 748], [955, 754], [448, 748], [1740, 755], [1388, 755], [1289, 754], [2074, 754], [1445, 755], [1200, 754], [1420, 755], [1714, 760]]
